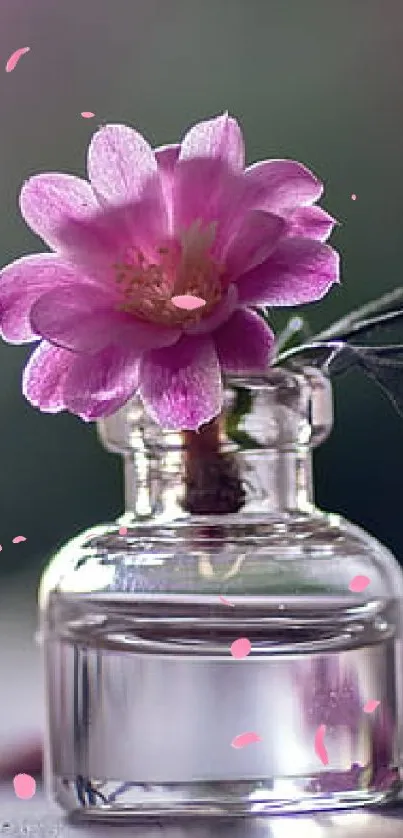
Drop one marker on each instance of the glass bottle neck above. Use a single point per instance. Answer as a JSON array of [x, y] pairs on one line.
[[254, 457], [271, 481]]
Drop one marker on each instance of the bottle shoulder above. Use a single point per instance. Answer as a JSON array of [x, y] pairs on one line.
[[289, 553]]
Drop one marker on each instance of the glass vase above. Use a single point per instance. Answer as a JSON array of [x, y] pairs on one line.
[[153, 708]]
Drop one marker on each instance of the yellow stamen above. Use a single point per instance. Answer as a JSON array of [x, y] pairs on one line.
[[186, 269]]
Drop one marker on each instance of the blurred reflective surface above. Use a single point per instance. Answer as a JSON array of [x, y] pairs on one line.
[[39, 820]]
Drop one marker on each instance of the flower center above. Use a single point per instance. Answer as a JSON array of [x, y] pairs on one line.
[[183, 269]]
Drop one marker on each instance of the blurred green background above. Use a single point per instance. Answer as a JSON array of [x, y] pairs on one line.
[[314, 80]]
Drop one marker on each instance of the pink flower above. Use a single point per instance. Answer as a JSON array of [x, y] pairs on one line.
[[150, 231]]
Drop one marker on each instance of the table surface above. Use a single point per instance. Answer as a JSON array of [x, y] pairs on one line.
[[36, 818]]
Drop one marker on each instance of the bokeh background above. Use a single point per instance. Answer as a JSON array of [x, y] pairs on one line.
[[314, 80]]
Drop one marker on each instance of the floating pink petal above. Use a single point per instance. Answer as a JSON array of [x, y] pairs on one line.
[[123, 531], [371, 705], [359, 583], [226, 601], [87, 114], [188, 301], [24, 786], [245, 739], [354, 197], [18, 539], [320, 749], [15, 57], [241, 648]]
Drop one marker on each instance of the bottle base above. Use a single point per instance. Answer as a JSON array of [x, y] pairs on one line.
[[100, 800]]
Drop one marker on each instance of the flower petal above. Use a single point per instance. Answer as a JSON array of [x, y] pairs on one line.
[[311, 223], [121, 164], [96, 244], [21, 284], [48, 202], [84, 319], [181, 386], [217, 138], [98, 385], [277, 185], [167, 157], [208, 176], [204, 190], [299, 271], [44, 377], [255, 240], [124, 173], [244, 343], [65, 212]]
